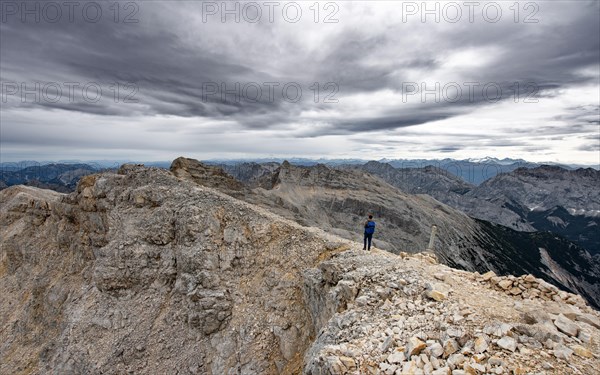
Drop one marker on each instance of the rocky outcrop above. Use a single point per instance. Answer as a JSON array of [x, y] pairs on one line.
[[529, 287], [206, 175], [249, 173], [142, 272], [393, 326]]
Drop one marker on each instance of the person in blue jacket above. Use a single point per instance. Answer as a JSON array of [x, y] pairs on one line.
[[369, 230]]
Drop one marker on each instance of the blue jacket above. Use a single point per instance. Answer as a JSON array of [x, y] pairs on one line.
[[370, 227]]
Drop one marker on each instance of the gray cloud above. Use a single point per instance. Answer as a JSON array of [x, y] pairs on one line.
[[171, 56]]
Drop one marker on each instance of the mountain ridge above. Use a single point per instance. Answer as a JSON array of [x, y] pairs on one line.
[[338, 199], [524, 199]]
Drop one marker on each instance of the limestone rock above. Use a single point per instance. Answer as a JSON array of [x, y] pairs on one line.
[[436, 295], [515, 291], [530, 278], [507, 343], [455, 360], [497, 329], [589, 319], [495, 361], [411, 368], [582, 351], [396, 357], [566, 325], [450, 347], [414, 346], [536, 316], [437, 291], [480, 344], [436, 350], [387, 343], [562, 352], [474, 369], [505, 284], [585, 336]]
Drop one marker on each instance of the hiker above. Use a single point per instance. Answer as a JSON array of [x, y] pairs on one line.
[[369, 230]]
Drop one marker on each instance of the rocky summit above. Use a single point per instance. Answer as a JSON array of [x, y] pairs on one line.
[[149, 271]]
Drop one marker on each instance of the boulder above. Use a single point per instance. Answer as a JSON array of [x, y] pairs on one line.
[[450, 347], [562, 352], [497, 329], [437, 291], [566, 325], [480, 344], [507, 343], [530, 278], [505, 284], [410, 368], [414, 346], [456, 360], [436, 349], [474, 368], [589, 319], [396, 357]]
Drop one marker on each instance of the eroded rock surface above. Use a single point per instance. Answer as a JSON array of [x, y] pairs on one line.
[[140, 271], [394, 325]]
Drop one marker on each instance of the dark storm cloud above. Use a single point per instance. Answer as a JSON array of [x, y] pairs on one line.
[[173, 67], [169, 75], [355, 125]]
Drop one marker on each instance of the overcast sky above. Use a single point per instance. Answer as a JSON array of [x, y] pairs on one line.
[[336, 80]]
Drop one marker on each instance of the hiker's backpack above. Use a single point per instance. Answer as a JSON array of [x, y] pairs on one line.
[[370, 227]]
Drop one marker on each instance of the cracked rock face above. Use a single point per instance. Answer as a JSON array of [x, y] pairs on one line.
[[139, 271]]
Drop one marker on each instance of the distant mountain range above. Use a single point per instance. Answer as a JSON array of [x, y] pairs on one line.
[[473, 171], [59, 177]]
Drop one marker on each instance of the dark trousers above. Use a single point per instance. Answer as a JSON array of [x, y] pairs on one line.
[[368, 238]]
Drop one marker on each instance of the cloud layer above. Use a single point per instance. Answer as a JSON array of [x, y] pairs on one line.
[[380, 82]]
